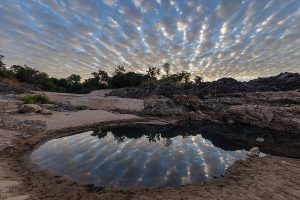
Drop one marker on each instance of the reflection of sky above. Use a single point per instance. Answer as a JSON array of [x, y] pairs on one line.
[[215, 38], [135, 162]]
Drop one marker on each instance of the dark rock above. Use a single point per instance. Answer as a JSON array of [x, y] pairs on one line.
[[93, 188]]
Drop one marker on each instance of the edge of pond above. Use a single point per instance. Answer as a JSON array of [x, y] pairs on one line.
[[49, 135], [38, 180]]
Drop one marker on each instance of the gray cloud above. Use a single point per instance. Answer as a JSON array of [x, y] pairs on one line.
[[242, 39]]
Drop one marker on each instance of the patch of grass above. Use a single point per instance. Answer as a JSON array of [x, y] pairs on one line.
[[35, 99], [125, 191]]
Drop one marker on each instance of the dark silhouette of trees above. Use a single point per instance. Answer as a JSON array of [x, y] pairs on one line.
[[101, 77], [167, 68], [43, 81], [3, 70], [73, 80], [185, 77], [99, 80], [121, 78], [177, 79], [73, 83], [120, 70], [198, 80], [153, 72], [2, 65]]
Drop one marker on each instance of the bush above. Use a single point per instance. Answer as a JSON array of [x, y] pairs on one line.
[[129, 79], [35, 99]]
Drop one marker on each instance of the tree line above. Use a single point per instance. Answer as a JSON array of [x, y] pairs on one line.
[[99, 80]]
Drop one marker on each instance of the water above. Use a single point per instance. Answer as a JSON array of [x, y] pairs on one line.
[[137, 156]]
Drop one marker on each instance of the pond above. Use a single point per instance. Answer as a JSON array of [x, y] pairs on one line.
[[140, 155]]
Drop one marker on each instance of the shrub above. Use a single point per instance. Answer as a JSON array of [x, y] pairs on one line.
[[128, 79], [35, 99]]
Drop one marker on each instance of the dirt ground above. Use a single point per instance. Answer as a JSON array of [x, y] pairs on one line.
[[267, 178], [62, 120], [97, 100]]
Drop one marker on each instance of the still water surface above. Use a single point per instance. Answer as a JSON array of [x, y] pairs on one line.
[[136, 156]]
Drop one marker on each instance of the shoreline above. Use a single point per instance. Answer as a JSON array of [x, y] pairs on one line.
[[36, 181]]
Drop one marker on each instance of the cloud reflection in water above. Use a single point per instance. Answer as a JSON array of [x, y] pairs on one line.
[[131, 162]]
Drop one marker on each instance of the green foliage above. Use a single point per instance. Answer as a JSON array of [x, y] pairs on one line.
[[32, 76], [176, 79], [35, 99], [125, 191], [90, 84], [129, 79], [24, 74]]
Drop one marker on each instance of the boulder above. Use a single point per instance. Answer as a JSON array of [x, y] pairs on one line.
[[273, 117], [28, 108], [45, 112], [254, 152], [161, 106]]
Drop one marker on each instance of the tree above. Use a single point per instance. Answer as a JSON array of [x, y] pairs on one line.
[[198, 80], [120, 70], [129, 79], [167, 68], [73, 80], [153, 72], [3, 70], [43, 81], [2, 65], [41, 77], [177, 79], [185, 77], [72, 83], [24, 74], [103, 77]]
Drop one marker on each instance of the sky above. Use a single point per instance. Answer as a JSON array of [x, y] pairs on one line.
[[243, 39]]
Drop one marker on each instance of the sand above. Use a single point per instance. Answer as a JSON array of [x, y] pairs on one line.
[[8, 178], [62, 120], [97, 100]]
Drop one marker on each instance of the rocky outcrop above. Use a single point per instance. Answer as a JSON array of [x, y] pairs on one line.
[[282, 82], [162, 106], [7, 106], [273, 117], [273, 110], [34, 108], [28, 108]]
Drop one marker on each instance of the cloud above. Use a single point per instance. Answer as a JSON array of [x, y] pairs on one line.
[[238, 38], [110, 3]]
